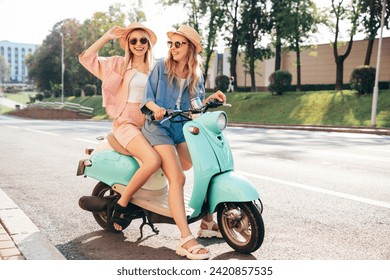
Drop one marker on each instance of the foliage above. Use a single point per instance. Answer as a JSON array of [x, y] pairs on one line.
[[77, 92], [279, 82], [38, 96], [222, 83], [90, 90], [363, 79]]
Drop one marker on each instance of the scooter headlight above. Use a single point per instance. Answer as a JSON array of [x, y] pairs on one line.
[[222, 121]]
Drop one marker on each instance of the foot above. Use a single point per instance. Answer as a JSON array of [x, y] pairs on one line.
[[191, 249], [209, 230]]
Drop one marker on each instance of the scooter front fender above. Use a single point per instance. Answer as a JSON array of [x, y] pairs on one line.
[[230, 187]]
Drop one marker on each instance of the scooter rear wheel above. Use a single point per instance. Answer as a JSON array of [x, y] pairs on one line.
[[104, 190], [241, 225]]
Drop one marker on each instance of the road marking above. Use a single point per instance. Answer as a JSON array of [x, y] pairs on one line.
[[42, 132], [319, 190], [86, 140], [325, 153]]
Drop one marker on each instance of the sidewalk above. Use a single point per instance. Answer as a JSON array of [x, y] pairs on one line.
[[20, 239]]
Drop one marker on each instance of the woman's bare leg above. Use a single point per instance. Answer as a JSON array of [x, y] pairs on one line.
[[186, 162], [140, 148], [176, 179]]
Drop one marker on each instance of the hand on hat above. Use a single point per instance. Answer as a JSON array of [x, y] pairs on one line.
[[115, 32]]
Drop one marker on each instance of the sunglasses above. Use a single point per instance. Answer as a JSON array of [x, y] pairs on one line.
[[134, 41], [177, 44]]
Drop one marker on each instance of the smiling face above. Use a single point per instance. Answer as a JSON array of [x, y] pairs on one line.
[[138, 44], [179, 47]]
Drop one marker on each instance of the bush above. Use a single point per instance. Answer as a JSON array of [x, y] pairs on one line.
[[90, 90], [38, 96], [279, 82], [363, 79], [77, 92], [46, 93], [222, 83]]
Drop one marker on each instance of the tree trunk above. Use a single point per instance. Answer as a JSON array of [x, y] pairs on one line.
[[339, 73], [370, 46], [298, 52], [278, 51]]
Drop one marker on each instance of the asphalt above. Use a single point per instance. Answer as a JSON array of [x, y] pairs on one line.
[[20, 238]]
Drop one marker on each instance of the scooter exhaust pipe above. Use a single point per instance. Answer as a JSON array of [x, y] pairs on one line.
[[93, 203]]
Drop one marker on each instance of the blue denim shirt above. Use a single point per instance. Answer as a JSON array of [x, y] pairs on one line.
[[165, 94]]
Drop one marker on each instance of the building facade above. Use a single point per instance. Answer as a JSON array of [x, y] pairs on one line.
[[317, 65], [14, 55]]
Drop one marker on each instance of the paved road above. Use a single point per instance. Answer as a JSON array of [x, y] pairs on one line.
[[326, 195]]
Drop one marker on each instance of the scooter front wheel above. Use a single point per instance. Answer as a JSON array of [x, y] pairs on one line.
[[241, 225], [104, 190]]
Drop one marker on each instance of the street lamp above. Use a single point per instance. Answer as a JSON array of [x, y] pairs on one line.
[[62, 67], [375, 94]]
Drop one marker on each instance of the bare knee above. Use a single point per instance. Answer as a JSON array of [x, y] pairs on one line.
[[153, 162]]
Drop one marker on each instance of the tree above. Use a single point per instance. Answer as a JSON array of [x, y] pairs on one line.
[[5, 70], [255, 22], [213, 12], [215, 9], [371, 19], [301, 23], [351, 14], [233, 39]]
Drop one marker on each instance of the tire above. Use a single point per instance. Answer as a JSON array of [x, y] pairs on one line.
[[245, 233], [104, 190]]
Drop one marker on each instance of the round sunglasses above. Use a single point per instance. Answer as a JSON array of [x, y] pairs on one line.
[[134, 41], [177, 44]]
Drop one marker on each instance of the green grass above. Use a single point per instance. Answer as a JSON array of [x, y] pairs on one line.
[[22, 97], [341, 108]]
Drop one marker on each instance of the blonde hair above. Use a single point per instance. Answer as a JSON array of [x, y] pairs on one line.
[[193, 65], [148, 59]]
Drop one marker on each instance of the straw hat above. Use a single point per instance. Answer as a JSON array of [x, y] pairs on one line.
[[190, 33], [137, 25]]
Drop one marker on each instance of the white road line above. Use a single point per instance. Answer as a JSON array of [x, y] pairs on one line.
[[319, 190], [86, 140], [325, 153], [42, 132]]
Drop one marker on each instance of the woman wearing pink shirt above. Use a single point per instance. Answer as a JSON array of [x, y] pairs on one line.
[[123, 83]]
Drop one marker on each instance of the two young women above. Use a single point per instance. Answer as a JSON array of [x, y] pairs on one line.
[[172, 83]]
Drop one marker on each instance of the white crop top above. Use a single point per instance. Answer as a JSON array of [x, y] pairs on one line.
[[137, 87], [178, 102]]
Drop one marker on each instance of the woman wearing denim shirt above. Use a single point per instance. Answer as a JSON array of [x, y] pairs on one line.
[[171, 85]]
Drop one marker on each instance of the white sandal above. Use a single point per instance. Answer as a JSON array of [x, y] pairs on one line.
[[209, 232], [192, 252]]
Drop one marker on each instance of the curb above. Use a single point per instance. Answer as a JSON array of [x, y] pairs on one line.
[[20, 239], [345, 129]]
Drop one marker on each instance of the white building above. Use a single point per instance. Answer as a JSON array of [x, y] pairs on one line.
[[14, 55]]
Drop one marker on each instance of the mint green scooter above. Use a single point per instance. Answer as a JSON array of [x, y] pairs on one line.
[[217, 188]]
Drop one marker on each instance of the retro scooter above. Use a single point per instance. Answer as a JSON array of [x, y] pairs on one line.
[[217, 187]]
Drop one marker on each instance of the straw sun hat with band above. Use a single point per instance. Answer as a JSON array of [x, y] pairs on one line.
[[133, 26], [190, 33]]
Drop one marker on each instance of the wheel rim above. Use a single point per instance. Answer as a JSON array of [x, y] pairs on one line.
[[239, 231]]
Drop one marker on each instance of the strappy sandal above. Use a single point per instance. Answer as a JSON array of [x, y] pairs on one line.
[[192, 252], [209, 232], [116, 214]]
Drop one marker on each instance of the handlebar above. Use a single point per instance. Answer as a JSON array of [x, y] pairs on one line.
[[171, 114]]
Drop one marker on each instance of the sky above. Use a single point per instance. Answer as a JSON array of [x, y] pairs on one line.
[[30, 21]]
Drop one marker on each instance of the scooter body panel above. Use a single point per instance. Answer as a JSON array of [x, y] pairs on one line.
[[111, 167], [230, 187], [210, 154]]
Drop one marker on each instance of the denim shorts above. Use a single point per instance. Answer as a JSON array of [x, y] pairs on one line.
[[157, 134]]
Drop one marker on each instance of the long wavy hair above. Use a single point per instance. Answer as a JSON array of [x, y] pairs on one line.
[[148, 58], [193, 65]]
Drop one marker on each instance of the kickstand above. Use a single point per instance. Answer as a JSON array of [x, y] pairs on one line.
[[145, 221]]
